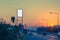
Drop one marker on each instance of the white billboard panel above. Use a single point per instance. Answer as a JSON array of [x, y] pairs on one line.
[[19, 13]]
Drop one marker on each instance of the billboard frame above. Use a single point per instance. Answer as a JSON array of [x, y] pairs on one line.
[[19, 17]]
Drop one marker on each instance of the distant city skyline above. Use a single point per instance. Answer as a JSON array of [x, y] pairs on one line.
[[34, 10]]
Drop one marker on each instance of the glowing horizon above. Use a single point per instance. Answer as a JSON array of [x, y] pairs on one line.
[[34, 10]]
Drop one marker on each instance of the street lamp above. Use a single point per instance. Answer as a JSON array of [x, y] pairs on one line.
[[46, 21], [57, 16]]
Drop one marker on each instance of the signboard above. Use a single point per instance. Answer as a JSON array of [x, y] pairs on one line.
[[19, 13]]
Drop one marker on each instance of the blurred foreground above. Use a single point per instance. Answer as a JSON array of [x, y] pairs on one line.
[[14, 32]]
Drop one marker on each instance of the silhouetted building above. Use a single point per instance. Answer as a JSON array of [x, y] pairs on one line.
[[13, 19]]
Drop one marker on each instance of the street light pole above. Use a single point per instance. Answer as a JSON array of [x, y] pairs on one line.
[[57, 16], [46, 21]]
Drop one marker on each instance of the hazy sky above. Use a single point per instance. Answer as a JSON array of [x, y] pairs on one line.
[[34, 10]]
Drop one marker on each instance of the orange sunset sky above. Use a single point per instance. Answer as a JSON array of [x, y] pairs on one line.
[[34, 11]]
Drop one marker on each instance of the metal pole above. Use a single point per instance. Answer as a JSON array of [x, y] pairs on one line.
[[46, 21], [22, 18], [57, 19], [16, 17]]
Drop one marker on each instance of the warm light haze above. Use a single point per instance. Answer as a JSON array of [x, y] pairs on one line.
[[34, 11]]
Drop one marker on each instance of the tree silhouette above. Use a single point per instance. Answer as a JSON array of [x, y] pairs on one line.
[[13, 19]]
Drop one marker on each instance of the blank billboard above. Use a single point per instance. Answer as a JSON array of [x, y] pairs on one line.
[[19, 13]]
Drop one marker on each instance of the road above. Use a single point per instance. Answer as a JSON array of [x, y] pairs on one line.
[[35, 36]]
